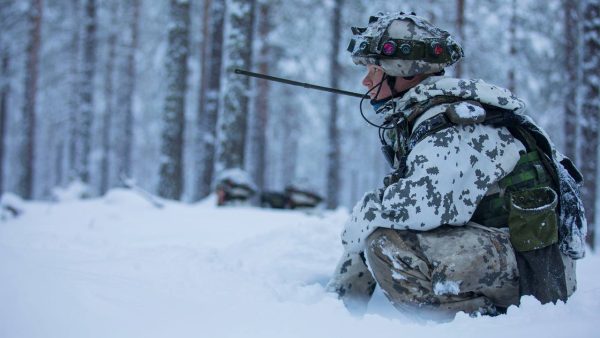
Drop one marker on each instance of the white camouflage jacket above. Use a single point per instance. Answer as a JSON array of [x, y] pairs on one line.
[[447, 172]]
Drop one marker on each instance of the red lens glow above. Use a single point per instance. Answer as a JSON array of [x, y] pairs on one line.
[[389, 48]]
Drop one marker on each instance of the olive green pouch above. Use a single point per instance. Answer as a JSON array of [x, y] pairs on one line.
[[532, 219]]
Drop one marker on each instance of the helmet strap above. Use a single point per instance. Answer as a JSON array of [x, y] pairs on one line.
[[391, 82]]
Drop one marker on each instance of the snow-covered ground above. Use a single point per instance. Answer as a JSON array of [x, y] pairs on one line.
[[120, 267]]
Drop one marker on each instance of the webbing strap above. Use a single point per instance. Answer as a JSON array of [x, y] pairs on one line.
[[428, 127]]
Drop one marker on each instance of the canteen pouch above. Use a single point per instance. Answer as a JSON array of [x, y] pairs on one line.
[[533, 228], [532, 219]]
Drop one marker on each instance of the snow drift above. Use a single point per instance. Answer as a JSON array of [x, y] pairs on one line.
[[119, 267]]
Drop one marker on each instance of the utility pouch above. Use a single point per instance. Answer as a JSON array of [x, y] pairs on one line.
[[532, 219]]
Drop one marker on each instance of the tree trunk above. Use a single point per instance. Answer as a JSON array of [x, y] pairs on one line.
[[58, 163], [590, 110], [126, 91], [261, 111], [232, 122], [333, 153], [460, 27], [289, 140], [25, 181], [171, 165], [75, 95], [84, 128], [4, 92], [572, 83], [214, 17], [512, 86], [109, 85]]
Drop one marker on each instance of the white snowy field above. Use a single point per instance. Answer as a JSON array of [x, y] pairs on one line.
[[119, 267]]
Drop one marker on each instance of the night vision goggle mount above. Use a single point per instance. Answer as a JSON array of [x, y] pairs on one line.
[[432, 50], [380, 46]]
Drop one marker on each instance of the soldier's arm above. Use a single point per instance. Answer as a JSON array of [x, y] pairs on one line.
[[448, 173]]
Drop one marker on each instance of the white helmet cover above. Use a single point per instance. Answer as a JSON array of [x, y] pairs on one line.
[[403, 45]]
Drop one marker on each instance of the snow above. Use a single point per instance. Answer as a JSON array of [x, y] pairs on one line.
[[447, 288], [237, 176], [119, 267], [74, 191], [12, 200]]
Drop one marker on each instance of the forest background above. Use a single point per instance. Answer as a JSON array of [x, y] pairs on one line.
[[99, 91]]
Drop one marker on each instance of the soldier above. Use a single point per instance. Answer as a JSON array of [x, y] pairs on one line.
[[234, 187], [479, 209]]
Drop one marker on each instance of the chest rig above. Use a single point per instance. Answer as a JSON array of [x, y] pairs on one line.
[[533, 170]]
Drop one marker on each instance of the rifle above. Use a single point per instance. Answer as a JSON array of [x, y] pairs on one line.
[[300, 84]]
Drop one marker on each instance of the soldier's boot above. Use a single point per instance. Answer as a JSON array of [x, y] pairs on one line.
[[435, 274]]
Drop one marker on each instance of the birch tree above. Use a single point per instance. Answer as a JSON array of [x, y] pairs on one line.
[[171, 163]]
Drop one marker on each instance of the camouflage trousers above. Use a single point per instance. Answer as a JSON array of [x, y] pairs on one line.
[[435, 274]]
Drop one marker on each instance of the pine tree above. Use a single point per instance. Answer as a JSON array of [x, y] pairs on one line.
[[4, 93], [460, 28], [85, 118], [212, 56], [127, 79], [572, 83], [261, 110], [109, 92], [233, 117], [590, 110], [75, 94], [513, 46], [291, 130], [25, 181], [333, 154], [171, 164]]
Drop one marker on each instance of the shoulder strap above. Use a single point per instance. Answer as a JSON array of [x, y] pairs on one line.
[[440, 121], [428, 127]]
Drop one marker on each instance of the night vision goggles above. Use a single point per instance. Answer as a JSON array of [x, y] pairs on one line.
[[403, 44], [432, 50]]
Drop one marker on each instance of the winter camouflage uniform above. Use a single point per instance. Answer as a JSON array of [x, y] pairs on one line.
[[415, 235], [468, 219]]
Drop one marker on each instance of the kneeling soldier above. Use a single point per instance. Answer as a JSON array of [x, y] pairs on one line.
[[480, 208]]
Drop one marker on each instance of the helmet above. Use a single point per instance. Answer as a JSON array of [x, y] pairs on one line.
[[403, 45]]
